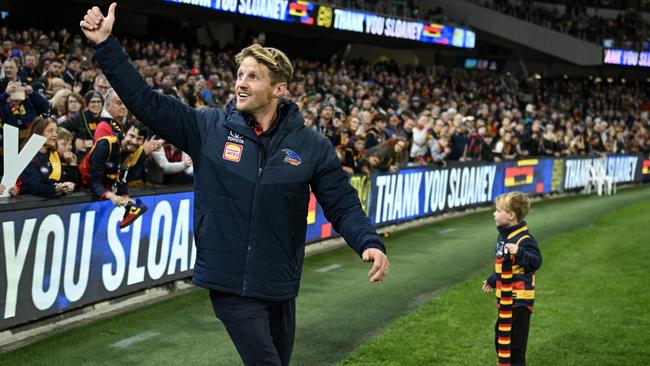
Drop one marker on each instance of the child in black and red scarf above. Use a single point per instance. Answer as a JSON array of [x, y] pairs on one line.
[[517, 259]]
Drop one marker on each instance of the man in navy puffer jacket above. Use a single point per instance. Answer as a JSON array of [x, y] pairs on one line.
[[254, 163]]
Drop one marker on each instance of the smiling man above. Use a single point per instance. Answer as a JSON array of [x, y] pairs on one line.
[[254, 164]]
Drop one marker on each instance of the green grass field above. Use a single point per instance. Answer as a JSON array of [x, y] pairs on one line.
[[592, 306], [592, 297]]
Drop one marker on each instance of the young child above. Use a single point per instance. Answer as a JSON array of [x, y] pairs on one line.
[[517, 259]]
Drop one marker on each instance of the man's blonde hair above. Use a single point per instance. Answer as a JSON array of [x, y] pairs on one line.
[[516, 202], [278, 63]]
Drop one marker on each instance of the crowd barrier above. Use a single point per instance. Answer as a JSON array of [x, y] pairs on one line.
[[59, 255]]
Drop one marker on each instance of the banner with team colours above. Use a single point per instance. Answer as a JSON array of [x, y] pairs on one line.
[[420, 192], [59, 258]]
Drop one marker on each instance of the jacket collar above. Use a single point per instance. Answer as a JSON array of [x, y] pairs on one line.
[[511, 231], [289, 118]]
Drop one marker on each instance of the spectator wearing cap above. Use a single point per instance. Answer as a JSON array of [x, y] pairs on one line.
[[218, 89], [10, 69], [325, 123], [84, 125], [72, 71]]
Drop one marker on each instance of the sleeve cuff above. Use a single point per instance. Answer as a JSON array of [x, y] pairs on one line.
[[105, 43]]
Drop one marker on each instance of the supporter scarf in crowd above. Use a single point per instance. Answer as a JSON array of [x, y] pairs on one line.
[[55, 161], [17, 109]]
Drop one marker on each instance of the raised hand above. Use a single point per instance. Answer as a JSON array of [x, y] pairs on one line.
[[96, 26]]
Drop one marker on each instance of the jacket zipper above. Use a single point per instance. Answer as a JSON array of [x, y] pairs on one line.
[[278, 136], [250, 227]]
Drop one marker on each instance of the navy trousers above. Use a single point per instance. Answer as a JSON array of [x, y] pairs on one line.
[[262, 331]]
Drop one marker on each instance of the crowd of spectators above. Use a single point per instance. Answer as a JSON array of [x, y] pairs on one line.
[[380, 116], [628, 30]]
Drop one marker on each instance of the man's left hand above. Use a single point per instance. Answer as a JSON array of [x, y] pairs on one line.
[[380, 264]]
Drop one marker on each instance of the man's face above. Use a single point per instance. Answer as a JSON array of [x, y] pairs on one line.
[[10, 69], [73, 65], [102, 86], [253, 89], [326, 113], [55, 68], [132, 140], [30, 61], [116, 108]]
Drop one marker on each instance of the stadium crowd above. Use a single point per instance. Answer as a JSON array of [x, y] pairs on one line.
[[380, 116], [628, 30]]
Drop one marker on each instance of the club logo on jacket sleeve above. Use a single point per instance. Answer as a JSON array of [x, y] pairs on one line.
[[232, 152], [291, 157]]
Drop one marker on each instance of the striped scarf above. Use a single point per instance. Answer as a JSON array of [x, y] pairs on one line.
[[504, 330]]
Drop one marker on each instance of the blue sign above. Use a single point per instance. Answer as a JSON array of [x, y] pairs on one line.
[[325, 16]]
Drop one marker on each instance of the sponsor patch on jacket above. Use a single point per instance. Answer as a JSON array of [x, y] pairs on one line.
[[232, 152], [291, 157], [235, 137]]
